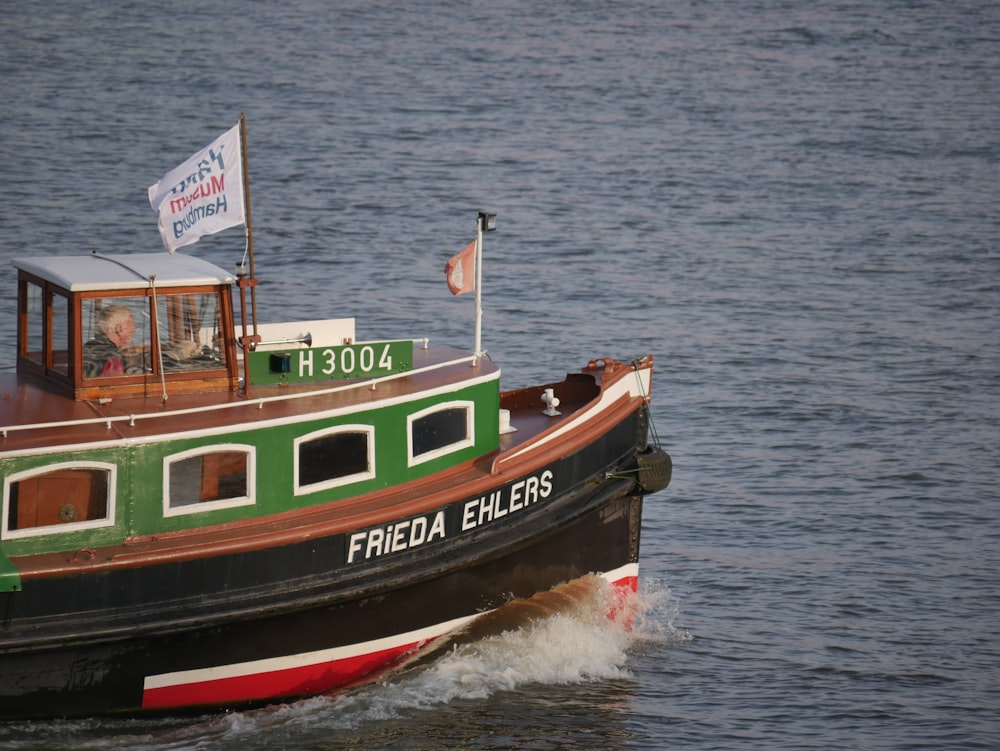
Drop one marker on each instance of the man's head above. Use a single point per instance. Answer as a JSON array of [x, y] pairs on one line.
[[117, 324]]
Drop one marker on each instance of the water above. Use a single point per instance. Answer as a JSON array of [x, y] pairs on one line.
[[792, 204]]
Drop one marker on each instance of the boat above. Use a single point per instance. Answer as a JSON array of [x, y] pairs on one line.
[[205, 512]]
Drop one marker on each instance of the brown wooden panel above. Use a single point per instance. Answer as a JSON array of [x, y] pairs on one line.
[[60, 497]]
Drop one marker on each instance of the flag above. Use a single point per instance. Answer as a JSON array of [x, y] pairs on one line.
[[460, 270], [203, 195]]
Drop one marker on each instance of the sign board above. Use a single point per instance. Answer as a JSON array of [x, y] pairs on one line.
[[333, 363]]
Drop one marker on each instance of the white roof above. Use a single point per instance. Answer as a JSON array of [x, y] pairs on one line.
[[107, 272]]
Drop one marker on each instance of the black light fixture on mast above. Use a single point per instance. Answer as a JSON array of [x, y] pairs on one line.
[[487, 222]]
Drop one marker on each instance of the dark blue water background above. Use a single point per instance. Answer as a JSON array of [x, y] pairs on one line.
[[793, 205]]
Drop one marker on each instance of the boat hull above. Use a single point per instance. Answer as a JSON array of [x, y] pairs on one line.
[[257, 626]]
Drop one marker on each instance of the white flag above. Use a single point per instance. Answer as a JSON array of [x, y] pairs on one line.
[[203, 195]]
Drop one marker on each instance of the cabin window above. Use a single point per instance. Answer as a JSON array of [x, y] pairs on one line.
[[59, 335], [204, 479], [58, 498], [46, 328], [34, 346], [329, 458], [189, 331], [116, 336], [440, 430]]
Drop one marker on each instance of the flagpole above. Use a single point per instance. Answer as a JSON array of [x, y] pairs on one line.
[[486, 223], [479, 290], [249, 223]]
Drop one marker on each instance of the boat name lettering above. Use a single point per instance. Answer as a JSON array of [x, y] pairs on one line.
[[406, 534], [496, 505], [396, 537]]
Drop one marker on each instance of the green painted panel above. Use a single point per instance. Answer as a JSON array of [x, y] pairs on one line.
[[10, 579], [70, 538], [361, 360], [139, 498]]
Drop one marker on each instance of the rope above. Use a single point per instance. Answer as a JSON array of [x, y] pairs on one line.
[[622, 474], [649, 412], [156, 331]]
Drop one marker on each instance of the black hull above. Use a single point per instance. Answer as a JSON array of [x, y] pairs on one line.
[[255, 627]]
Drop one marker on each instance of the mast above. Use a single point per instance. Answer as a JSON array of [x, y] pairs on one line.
[[249, 222], [247, 341]]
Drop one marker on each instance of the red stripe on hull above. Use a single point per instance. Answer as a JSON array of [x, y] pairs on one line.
[[306, 680], [629, 583]]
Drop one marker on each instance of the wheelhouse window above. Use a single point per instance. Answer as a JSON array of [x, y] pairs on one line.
[[59, 333], [330, 458], [34, 340], [189, 331], [58, 498], [208, 478], [45, 328], [440, 430], [116, 336]]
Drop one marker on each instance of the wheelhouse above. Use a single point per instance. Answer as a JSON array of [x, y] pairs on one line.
[[98, 326]]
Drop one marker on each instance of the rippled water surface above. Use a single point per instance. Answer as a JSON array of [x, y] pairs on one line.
[[793, 205]]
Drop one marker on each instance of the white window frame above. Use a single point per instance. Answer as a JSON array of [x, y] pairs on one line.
[[469, 440], [216, 448], [59, 529], [368, 430]]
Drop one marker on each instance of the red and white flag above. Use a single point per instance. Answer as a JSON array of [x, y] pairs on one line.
[[461, 270]]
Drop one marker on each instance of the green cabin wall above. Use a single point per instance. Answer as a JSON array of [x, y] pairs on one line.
[[139, 502]]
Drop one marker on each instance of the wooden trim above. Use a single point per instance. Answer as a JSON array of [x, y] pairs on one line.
[[523, 456]]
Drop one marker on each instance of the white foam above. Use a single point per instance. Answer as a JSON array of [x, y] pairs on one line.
[[576, 645]]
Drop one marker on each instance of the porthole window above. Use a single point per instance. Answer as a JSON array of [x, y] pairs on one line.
[[440, 430], [58, 498], [212, 477], [329, 458]]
